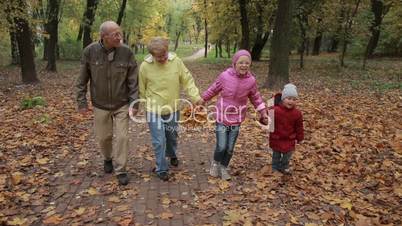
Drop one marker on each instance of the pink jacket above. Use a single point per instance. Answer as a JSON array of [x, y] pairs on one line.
[[234, 91]]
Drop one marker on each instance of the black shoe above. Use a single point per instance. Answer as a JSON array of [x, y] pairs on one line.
[[163, 176], [108, 166], [122, 178], [174, 161]]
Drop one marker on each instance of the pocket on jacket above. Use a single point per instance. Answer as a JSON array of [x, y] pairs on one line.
[[121, 68], [96, 66]]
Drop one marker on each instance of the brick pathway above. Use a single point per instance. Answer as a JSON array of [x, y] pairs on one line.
[[82, 193]]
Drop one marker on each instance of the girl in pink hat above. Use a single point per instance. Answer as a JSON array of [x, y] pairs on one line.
[[236, 85]]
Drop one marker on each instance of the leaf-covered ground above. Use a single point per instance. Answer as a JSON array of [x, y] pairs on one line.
[[347, 172]]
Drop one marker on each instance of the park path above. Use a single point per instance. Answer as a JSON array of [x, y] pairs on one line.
[[198, 54], [84, 194]]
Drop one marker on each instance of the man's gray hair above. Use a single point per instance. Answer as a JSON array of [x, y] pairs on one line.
[[104, 27]]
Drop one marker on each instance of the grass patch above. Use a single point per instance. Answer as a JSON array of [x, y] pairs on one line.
[[29, 103]]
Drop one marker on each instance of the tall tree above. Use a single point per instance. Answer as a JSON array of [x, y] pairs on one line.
[[81, 29], [15, 55], [379, 10], [121, 12], [302, 19], [52, 28], [245, 30], [317, 40], [89, 17], [176, 43], [349, 18], [206, 29], [19, 13], [262, 35], [279, 57]]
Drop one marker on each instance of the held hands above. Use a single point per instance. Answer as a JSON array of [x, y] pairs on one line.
[[132, 112], [264, 119], [200, 102]]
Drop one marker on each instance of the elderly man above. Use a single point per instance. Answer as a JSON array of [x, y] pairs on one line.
[[111, 70], [161, 76]]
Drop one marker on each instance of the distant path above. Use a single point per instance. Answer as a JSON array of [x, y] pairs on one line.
[[196, 55]]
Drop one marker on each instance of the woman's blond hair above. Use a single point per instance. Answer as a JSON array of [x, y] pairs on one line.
[[158, 44]]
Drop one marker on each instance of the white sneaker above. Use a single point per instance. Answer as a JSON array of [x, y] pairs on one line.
[[224, 173], [214, 170]]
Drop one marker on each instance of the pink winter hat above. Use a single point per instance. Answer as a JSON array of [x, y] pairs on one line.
[[238, 54]]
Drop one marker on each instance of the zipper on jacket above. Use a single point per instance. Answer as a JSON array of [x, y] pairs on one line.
[[109, 80]]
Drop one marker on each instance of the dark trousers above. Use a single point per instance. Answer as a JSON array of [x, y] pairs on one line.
[[280, 161]]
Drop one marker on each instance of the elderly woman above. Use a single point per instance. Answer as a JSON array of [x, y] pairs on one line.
[[161, 76]]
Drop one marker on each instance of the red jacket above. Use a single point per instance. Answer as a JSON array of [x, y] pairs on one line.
[[288, 129]]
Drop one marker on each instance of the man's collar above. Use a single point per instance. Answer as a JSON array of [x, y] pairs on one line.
[[104, 48]]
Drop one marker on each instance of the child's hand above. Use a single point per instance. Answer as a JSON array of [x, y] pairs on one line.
[[200, 102], [264, 120]]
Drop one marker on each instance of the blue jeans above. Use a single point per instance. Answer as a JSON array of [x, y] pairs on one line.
[[280, 161], [226, 137], [164, 137]]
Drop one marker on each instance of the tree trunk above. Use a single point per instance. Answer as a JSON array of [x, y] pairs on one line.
[[52, 29], [89, 20], [261, 36], [206, 40], [121, 12], [176, 43], [45, 48], [317, 44], [279, 60], [259, 44], [347, 28], [206, 31], [220, 48], [245, 30], [334, 45], [216, 50], [303, 23], [25, 43], [79, 37], [235, 48], [57, 51], [377, 7], [15, 55], [228, 47], [307, 49]]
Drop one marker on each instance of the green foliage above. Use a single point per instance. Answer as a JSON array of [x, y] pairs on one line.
[[70, 49], [386, 86], [391, 32], [29, 103]]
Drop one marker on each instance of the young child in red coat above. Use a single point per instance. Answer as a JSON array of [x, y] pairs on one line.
[[288, 128]]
